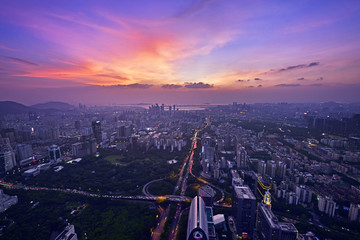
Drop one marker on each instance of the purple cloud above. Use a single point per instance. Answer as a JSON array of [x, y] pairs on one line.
[[171, 86], [287, 85], [198, 85]]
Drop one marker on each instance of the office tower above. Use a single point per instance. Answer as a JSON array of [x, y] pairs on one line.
[[244, 208], [54, 153], [269, 227], [241, 157], [197, 223], [96, 127], [24, 151], [267, 223], [354, 212]]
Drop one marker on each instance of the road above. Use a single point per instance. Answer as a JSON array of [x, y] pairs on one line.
[[161, 222], [183, 181], [171, 198], [145, 189]]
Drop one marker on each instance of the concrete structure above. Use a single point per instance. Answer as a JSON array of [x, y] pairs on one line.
[[207, 194], [354, 212], [244, 208], [24, 151], [304, 194], [241, 157], [81, 149], [6, 201], [219, 221], [67, 234], [197, 223], [31, 172], [96, 127], [269, 227], [54, 153], [327, 205], [7, 159]]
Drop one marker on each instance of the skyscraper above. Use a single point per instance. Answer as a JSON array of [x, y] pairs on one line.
[[244, 208], [96, 126], [268, 226]]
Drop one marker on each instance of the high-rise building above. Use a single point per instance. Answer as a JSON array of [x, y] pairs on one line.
[[96, 127], [197, 223], [267, 223], [327, 205], [269, 227], [261, 167], [304, 194], [23, 151], [354, 212], [77, 125], [7, 158], [54, 154], [241, 157], [271, 168], [244, 208]]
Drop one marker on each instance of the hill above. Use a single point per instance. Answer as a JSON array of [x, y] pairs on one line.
[[9, 107], [53, 105]]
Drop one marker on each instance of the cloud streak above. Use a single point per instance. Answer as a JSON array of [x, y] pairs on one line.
[[19, 60], [171, 86], [299, 66], [287, 85], [132, 86]]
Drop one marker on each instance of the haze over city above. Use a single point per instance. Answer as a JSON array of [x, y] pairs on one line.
[[180, 120], [116, 52]]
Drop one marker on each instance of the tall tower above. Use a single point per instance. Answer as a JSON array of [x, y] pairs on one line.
[[244, 209], [267, 199], [96, 126]]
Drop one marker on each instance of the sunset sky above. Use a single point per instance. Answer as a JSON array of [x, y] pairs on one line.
[[179, 51]]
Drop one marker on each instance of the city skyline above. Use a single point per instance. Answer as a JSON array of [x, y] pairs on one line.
[[179, 52]]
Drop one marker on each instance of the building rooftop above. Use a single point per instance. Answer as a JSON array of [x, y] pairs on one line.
[[288, 227], [206, 191], [269, 215], [244, 192]]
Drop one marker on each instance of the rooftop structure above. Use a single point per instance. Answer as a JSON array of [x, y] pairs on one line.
[[197, 224], [67, 234]]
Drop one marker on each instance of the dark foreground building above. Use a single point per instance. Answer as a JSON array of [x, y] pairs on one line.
[[269, 227], [197, 224]]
